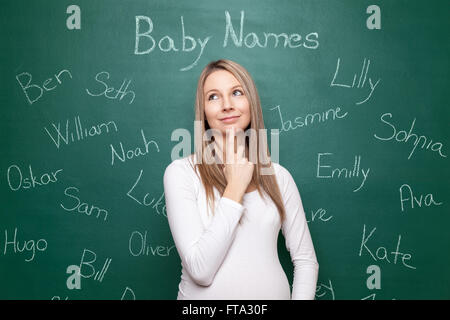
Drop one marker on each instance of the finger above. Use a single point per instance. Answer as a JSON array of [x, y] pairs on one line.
[[230, 145], [240, 143], [240, 154]]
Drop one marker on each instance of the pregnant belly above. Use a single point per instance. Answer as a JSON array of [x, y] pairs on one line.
[[242, 280]]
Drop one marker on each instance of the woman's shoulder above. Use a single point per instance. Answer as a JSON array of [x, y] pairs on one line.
[[279, 169], [283, 176], [184, 164]]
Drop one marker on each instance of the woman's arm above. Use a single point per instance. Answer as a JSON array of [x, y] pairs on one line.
[[201, 250], [298, 241]]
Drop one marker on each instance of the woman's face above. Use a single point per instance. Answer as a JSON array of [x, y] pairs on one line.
[[224, 97]]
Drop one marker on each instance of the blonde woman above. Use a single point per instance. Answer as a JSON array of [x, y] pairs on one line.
[[225, 215]]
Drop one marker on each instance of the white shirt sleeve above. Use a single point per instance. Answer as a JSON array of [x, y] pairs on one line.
[[202, 250], [298, 241]]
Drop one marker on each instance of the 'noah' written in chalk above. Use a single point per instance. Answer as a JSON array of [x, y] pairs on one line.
[[123, 155]]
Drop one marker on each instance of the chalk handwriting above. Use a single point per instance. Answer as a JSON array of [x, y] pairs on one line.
[[130, 154], [402, 136], [322, 290], [87, 260], [406, 195], [361, 81], [144, 201], [68, 136], [126, 292], [82, 207], [350, 173], [372, 297], [16, 180], [252, 40], [320, 214], [33, 92], [287, 125], [166, 43], [138, 246], [146, 42], [28, 246], [381, 253], [110, 92]]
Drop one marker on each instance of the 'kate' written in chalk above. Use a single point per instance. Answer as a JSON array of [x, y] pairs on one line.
[[382, 253]]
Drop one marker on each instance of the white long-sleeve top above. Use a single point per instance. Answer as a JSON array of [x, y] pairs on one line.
[[222, 259]]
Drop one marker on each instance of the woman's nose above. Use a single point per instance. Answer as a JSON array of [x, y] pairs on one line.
[[227, 103]]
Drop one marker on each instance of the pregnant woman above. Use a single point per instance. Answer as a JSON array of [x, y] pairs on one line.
[[225, 215]]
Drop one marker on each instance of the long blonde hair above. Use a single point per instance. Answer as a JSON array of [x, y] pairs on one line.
[[211, 174]]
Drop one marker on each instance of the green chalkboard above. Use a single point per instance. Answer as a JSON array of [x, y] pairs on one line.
[[90, 95]]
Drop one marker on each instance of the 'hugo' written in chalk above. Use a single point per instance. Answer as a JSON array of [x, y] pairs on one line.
[[29, 246]]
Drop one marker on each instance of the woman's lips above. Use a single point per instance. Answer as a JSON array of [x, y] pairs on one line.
[[230, 119]]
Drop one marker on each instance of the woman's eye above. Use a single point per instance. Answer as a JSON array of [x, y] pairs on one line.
[[239, 93]]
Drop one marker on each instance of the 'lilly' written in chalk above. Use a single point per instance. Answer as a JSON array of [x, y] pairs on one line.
[[361, 80]]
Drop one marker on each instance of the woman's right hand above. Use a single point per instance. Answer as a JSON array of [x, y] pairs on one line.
[[237, 169]]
